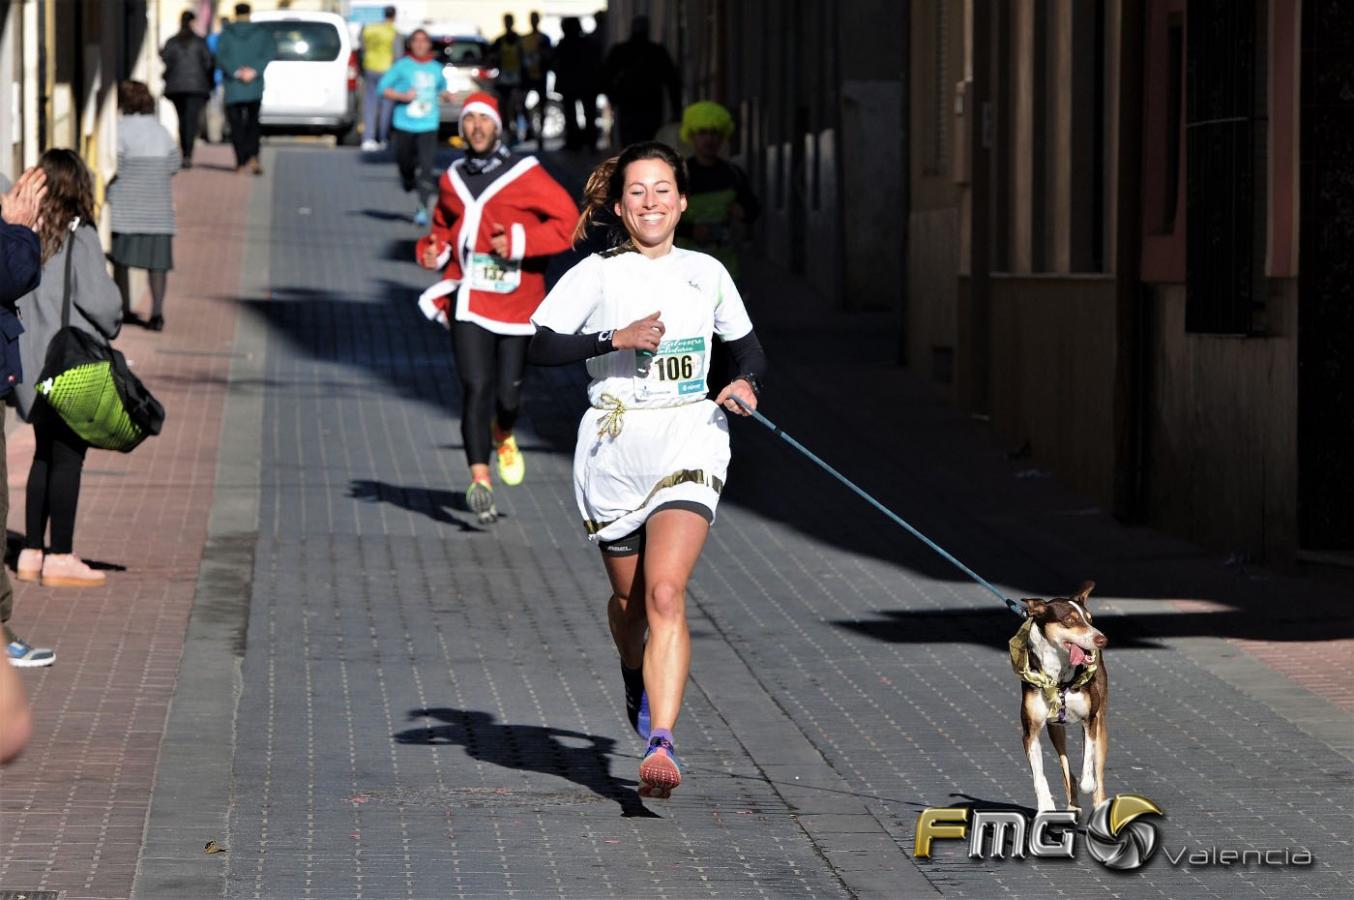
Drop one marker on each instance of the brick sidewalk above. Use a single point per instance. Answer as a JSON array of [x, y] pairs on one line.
[[73, 808]]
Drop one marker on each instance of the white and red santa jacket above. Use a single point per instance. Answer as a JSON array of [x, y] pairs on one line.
[[537, 215]]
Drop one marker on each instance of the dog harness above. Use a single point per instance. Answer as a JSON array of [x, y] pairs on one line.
[[1054, 691]]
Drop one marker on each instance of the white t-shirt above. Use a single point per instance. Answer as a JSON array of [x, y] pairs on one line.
[[697, 300]]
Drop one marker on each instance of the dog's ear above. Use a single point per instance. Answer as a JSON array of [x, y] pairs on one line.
[[1084, 591], [1035, 607]]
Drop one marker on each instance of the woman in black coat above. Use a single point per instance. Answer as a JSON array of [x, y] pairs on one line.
[[188, 80]]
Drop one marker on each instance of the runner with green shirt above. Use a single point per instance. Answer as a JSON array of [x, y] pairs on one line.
[[416, 84]]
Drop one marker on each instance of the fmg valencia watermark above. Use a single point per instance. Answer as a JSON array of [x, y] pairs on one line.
[[1123, 834]]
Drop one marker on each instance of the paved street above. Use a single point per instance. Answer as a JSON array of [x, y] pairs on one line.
[[376, 697]]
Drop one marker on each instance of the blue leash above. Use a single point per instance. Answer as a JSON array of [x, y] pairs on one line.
[[1017, 608]]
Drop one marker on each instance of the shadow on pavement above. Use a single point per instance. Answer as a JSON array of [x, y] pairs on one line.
[[532, 748], [836, 386], [429, 502], [381, 215], [1126, 631]]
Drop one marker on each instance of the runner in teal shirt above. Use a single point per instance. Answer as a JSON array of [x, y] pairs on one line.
[[416, 84]]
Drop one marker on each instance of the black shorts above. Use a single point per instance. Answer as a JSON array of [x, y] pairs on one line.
[[633, 542]]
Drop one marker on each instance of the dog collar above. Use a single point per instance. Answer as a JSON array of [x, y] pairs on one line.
[[1054, 691]]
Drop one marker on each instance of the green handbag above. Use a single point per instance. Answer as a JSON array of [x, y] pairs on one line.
[[90, 386]]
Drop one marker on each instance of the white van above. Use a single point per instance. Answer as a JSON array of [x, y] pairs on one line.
[[311, 84]]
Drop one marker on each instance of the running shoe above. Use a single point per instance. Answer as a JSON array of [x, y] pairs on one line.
[[421, 217], [512, 468], [636, 701], [480, 498], [661, 771], [23, 655]]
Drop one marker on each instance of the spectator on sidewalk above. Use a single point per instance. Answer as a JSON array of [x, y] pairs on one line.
[[378, 55], [506, 53], [189, 73], [244, 51], [141, 200], [578, 66], [16, 723], [721, 200], [537, 53], [415, 83], [69, 239], [216, 109], [20, 272], [636, 76], [214, 41], [500, 219]]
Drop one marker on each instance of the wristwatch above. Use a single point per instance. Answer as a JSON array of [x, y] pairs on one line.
[[752, 383]]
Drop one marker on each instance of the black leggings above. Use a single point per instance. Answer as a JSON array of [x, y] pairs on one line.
[[491, 367], [54, 480], [189, 107], [415, 154]]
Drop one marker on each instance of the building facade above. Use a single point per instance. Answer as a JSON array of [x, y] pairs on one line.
[[1117, 229], [1144, 198], [816, 88], [60, 64]]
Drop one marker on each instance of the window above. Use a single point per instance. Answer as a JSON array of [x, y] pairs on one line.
[[1220, 226], [305, 41], [459, 52], [940, 114], [1163, 195]]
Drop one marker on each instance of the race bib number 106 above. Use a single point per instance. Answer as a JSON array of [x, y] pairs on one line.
[[676, 370]]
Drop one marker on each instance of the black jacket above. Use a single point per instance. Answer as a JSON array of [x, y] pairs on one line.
[[189, 68], [20, 271]]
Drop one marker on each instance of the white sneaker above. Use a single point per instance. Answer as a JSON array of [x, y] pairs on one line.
[[370, 146]]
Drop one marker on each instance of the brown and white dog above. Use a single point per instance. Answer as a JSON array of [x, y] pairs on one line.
[[1063, 680]]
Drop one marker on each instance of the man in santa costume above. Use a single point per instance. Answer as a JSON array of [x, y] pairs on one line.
[[500, 217]]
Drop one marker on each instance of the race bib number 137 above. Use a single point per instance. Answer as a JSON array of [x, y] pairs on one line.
[[493, 273]]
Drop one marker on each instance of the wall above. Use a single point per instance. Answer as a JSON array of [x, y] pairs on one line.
[[936, 52], [873, 46], [73, 103], [1053, 372], [11, 87], [1222, 430]]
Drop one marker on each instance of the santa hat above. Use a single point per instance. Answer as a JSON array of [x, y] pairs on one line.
[[485, 104]]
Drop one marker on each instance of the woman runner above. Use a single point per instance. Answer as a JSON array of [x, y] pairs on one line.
[[653, 451]]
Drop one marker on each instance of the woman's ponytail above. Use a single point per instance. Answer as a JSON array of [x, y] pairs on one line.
[[596, 195]]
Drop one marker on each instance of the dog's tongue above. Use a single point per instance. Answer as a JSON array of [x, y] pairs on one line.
[[1078, 655]]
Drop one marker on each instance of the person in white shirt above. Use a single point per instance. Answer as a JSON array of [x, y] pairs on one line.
[[653, 451]]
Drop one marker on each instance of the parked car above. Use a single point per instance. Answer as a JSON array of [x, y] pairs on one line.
[[466, 68], [464, 58], [311, 86]]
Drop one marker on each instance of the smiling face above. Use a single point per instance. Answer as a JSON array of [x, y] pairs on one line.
[[650, 204], [420, 44], [480, 132]]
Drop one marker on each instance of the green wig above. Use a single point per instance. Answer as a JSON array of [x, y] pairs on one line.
[[706, 115]]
